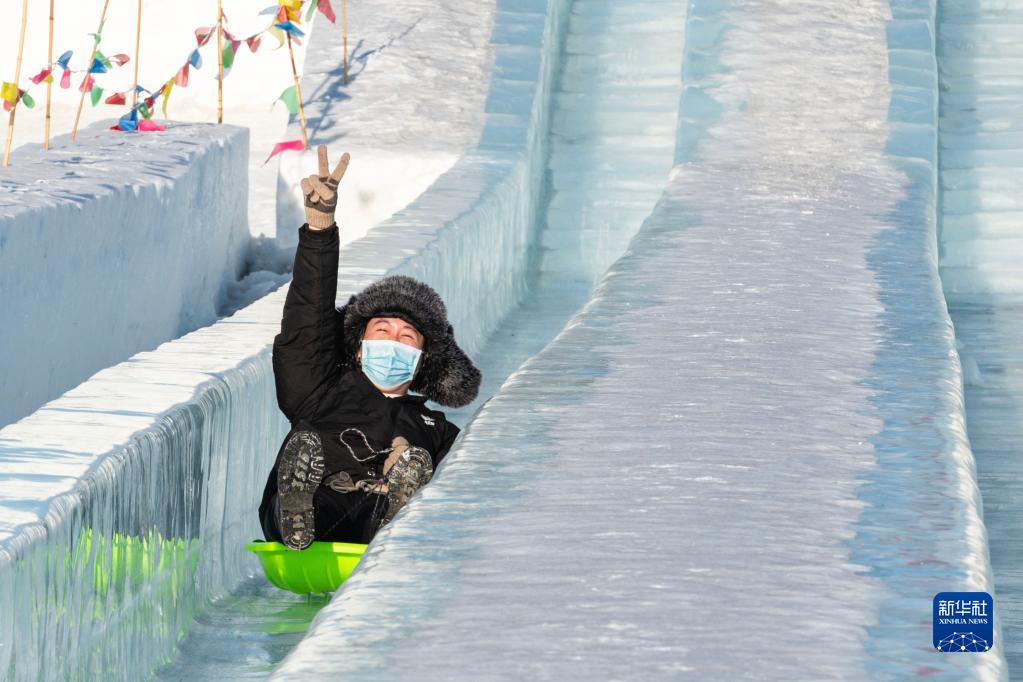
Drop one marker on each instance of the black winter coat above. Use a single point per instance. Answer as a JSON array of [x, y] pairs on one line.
[[316, 394]]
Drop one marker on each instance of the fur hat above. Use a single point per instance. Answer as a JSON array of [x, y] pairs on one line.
[[446, 374]]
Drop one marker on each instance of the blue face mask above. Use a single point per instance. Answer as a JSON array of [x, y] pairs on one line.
[[389, 364]]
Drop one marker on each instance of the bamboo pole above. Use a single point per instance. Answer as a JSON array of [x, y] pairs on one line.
[[344, 34], [138, 39], [88, 68], [49, 83], [220, 61], [298, 92], [17, 80]]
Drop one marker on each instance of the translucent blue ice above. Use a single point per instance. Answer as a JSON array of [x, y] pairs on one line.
[[980, 57]]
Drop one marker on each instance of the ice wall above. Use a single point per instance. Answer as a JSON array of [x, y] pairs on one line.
[[112, 245], [746, 456], [981, 234], [125, 504], [413, 105]]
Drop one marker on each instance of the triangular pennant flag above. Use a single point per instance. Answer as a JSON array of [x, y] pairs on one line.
[[289, 10], [95, 94], [27, 100], [64, 59], [290, 100], [65, 79], [195, 59], [290, 145], [103, 59], [235, 44], [168, 86], [181, 80], [86, 85], [116, 98], [309, 12], [289, 27], [97, 66], [9, 92], [10, 105], [228, 55], [253, 43], [326, 10], [121, 58], [128, 122], [202, 34], [146, 109], [279, 35], [41, 76]]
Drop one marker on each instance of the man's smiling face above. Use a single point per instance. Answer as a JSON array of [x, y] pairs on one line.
[[393, 329]]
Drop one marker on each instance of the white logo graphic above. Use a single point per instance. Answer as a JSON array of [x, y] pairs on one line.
[[427, 420]]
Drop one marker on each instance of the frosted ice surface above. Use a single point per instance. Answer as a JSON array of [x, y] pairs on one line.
[[746, 453], [980, 58], [103, 253]]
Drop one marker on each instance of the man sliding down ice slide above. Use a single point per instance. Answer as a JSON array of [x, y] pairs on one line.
[[360, 443]]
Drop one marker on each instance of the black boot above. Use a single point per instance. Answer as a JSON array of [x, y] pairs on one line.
[[298, 476], [412, 470]]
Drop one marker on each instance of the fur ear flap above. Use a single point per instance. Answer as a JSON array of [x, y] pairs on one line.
[[447, 375]]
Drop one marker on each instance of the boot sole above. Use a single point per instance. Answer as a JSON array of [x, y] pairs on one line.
[[412, 471], [298, 476]]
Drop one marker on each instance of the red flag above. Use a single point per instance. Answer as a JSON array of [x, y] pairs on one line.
[[325, 8], [253, 43], [202, 34], [38, 78], [121, 59], [86, 85], [290, 145], [116, 98], [65, 80], [146, 124], [182, 78]]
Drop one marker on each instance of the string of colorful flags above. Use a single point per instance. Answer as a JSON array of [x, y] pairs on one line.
[[287, 17]]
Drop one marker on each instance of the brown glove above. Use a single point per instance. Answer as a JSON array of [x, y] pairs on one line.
[[320, 191], [398, 446]]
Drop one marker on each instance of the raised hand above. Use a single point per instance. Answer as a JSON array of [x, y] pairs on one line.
[[320, 191]]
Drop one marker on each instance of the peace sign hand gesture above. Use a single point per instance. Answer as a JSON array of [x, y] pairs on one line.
[[320, 191]]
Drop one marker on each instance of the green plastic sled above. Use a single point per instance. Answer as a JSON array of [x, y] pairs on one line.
[[321, 567]]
